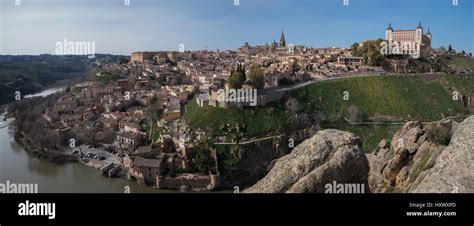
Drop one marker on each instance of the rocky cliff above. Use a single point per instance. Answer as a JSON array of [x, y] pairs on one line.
[[417, 160], [453, 171], [422, 158], [327, 157]]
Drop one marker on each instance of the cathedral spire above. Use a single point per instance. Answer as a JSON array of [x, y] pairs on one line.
[[282, 39]]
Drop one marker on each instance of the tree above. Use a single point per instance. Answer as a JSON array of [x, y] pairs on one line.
[[354, 48], [450, 49], [201, 154], [256, 78], [153, 114], [237, 77], [294, 68], [369, 51]]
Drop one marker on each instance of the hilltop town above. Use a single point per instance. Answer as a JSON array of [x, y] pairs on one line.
[[127, 118]]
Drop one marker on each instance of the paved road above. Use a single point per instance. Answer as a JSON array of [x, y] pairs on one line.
[[300, 85], [249, 141]]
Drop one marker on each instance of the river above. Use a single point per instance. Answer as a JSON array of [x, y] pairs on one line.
[[17, 166]]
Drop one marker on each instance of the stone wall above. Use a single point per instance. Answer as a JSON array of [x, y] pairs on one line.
[[187, 182]]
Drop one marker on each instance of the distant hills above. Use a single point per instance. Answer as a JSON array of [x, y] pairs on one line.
[[30, 74]]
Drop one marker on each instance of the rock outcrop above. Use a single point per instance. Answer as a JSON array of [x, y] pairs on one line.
[[327, 157], [390, 163], [255, 162], [453, 170], [416, 159]]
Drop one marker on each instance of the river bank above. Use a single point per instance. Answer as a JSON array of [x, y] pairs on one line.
[[19, 165], [53, 156]]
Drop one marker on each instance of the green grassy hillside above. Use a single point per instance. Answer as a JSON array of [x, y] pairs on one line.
[[401, 97], [463, 84], [459, 63], [272, 118]]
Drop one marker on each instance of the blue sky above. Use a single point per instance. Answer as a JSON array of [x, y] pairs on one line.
[[36, 25]]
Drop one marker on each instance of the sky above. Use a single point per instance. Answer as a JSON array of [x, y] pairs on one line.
[[35, 26]]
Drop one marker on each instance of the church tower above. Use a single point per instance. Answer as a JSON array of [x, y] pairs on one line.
[[419, 37], [282, 40], [388, 32], [419, 33]]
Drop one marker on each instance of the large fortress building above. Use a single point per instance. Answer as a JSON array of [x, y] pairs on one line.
[[409, 42]]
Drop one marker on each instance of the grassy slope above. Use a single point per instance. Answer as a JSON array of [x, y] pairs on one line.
[[262, 120], [459, 62], [405, 97], [464, 84]]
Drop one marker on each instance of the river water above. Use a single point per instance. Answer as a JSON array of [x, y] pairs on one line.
[[17, 166]]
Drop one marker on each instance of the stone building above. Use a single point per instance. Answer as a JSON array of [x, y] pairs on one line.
[[145, 171], [147, 56], [409, 42], [349, 61], [129, 141]]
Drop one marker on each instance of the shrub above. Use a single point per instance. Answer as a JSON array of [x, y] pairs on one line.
[[437, 134]]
